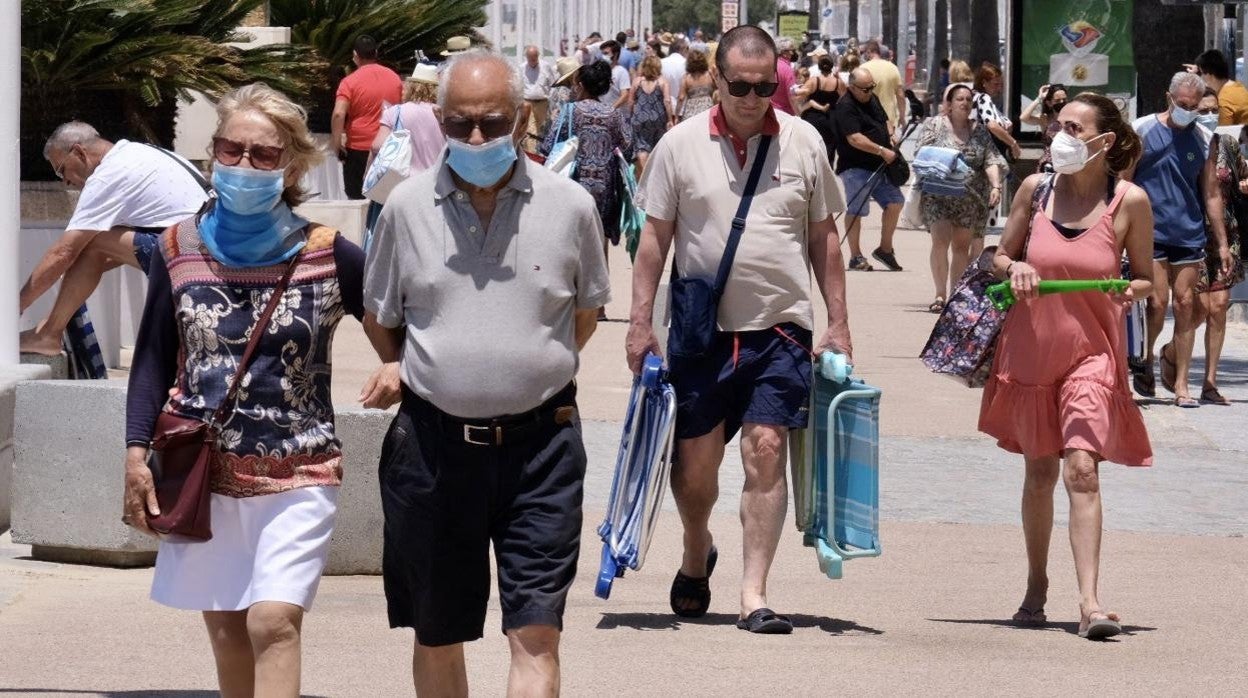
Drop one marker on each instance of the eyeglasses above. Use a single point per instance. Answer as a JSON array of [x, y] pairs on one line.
[[491, 126], [741, 88], [59, 170], [263, 157]]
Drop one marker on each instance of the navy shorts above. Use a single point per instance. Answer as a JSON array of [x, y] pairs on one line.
[[145, 242], [759, 376], [445, 501], [1173, 254], [883, 191]]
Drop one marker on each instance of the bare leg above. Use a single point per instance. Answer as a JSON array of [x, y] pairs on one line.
[[942, 234], [231, 648], [1183, 281], [853, 230], [764, 502], [642, 158], [1213, 308], [439, 672], [1041, 477], [695, 486], [107, 250], [961, 254], [1157, 305], [1082, 479], [274, 629], [534, 662], [888, 226]]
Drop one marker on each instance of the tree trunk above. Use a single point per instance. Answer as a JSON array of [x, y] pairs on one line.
[[888, 28], [921, 19], [960, 24], [985, 35], [853, 19], [812, 10], [940, 46]]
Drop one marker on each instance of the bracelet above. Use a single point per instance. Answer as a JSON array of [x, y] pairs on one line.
[[1008, 267]]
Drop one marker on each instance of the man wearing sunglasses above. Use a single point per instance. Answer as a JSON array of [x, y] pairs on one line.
[[864, 149], [756, 374], [482, 284], [130, 192]]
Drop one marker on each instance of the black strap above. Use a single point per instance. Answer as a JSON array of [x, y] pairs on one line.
[[743, 209], [199, 178]]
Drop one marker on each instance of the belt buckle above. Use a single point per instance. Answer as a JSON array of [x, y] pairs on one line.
[[468, 435]]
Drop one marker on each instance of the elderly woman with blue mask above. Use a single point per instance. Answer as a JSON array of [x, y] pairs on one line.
[[276, 463]]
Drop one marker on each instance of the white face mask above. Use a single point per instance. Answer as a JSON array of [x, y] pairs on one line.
[[1182, 117], [1069, 154], [1209, 121]]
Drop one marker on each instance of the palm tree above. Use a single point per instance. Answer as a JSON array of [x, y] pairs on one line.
[[985, 35], [121, 65], [402, 27], [960, 24]]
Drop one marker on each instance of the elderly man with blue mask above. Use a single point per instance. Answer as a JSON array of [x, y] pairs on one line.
[[483, 283], [1178, 170]]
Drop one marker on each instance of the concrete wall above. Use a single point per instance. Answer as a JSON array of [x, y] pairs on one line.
[[10, 376], [68, 479]]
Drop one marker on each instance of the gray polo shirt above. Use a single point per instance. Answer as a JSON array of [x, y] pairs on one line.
[[489, 314]]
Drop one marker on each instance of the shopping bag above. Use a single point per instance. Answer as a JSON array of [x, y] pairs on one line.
[[964, 340], [912, 211], [562, 157], [631, 216], [391, 165]]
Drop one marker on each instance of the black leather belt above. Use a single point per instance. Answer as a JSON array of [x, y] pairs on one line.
[[506, 429]]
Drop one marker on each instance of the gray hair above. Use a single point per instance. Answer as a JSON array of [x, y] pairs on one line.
[[1184, 79], [68, 135], [515, 85]]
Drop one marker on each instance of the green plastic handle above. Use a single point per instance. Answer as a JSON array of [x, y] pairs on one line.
[[1002, 296]]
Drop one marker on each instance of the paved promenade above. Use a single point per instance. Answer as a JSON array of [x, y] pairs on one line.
[[929, 617]]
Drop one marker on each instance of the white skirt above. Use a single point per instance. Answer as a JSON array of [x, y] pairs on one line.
[[266, 548]]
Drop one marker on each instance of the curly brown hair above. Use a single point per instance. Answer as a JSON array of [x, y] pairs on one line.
[[696, 63]]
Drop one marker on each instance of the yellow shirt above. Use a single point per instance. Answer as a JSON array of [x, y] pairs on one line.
[[1232, 104], [887, 82]]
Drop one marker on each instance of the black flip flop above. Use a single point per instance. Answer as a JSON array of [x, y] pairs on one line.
[[686, 588], [765, 621]]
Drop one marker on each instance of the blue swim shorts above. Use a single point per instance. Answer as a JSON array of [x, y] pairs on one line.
[[884, 192]]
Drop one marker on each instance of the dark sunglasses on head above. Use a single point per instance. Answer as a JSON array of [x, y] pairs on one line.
[[492, 126], [741, 88], [263, 157]]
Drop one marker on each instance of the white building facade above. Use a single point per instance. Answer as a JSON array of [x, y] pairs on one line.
[[557, 26]]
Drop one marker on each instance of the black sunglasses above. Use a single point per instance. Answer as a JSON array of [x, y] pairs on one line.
[[263, 157], [741, 88], [491, 126]]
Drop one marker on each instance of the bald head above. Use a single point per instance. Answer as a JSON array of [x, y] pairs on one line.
[[532, 54], [862, 82], [480, 75]]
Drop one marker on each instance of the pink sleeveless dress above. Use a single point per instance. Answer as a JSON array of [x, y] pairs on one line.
[[1059, 379]]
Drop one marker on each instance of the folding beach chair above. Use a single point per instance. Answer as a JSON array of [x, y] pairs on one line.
[[641, 470], [835, 465]]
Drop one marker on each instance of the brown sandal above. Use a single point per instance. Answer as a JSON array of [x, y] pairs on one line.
[[1213, 397], [1169, 370]]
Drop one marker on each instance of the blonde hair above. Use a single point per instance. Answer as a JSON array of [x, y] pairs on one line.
[[417, 91], [290, 120], [651, 68], [960, 71]]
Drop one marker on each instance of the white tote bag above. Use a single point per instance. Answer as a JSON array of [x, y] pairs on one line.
[[562, 157], [392, 164], [911, 213]]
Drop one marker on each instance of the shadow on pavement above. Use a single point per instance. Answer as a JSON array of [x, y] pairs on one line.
[[667, 621], [1071, 627]]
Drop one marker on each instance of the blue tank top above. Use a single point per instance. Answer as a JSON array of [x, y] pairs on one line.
[[1169, 172]]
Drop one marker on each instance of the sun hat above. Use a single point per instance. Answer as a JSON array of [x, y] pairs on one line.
[[426, 73], [457, 44], [566, 67]]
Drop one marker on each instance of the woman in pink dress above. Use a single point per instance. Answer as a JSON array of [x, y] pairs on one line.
[[1060, 387]]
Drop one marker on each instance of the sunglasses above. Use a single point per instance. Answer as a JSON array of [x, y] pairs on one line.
[[491, 126], [263, 157], [866, 88], [741, 88]]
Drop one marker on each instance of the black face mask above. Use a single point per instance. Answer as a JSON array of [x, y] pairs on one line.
[[1056, 107]]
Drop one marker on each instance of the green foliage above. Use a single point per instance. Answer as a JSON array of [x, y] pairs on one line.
[[401, 27], [683, 15], [122, 64]]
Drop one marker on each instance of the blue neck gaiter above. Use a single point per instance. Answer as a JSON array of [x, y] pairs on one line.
[[266, 233]]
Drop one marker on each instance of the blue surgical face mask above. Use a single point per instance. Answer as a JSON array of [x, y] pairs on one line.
[[1182, 117], [482, 165], [245, 191], [1209, 121]]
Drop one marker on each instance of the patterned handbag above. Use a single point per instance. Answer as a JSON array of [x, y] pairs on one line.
[[964, 340]]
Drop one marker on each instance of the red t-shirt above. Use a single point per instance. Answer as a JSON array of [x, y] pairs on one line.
[[366, 88], [784, 76]]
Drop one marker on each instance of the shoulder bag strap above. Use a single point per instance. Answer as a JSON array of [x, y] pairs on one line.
[[743, 209], [257, 331], [199, 178]]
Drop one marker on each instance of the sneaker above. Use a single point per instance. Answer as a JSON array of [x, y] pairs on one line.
[[859, 263], [886, 258]]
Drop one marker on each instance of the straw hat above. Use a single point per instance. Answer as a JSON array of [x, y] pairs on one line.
[[566, 67], [665, 38], [632, 44], [426, 73], [819, 52], [457, 44]]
